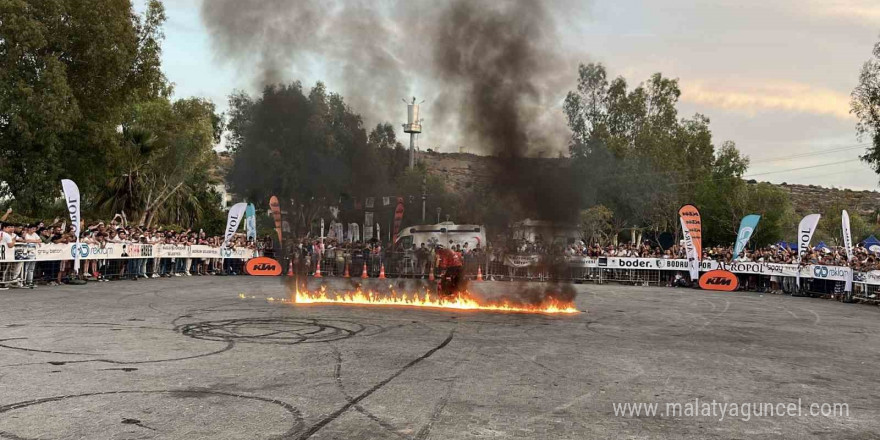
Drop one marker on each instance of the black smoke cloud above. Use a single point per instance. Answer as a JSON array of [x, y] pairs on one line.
[[490, 69]]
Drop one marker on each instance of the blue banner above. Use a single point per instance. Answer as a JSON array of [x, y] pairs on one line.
[[746, 229], [251, 222]]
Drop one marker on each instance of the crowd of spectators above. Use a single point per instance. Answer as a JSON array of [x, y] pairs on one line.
[[116, 231]]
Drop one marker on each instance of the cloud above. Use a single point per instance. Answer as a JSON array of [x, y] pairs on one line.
[[866, 11], [778, 96]]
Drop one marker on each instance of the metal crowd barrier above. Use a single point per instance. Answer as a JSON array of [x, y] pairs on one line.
[[407, 265], [47, 272]]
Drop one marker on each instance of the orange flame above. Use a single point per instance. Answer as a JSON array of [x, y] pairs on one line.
[[462, 301]]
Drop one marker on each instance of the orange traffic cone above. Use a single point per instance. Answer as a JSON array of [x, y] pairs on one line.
[[290, 269], [479, 273], [382, 272], [431, 274], [318, 270], [364, 274], [346, 275]]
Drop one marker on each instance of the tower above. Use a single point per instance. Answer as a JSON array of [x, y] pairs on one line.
[[413, 126]]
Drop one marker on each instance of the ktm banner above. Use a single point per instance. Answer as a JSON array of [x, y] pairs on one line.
[[398, 216], [263, 266], [719, 280], [276, 213], [692, 227]]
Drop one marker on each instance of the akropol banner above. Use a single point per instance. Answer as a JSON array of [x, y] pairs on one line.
[[805, 233], [71, 200]]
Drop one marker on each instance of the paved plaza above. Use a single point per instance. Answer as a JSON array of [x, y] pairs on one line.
[[187, 358]]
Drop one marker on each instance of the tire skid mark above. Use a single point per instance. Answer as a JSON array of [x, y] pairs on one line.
[[337, 375], [422, 434], [334, 415], [292, 410]]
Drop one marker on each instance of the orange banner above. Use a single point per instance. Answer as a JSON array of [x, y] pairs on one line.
[[263, 266], [690, 215], [276, 212], [719, 280]]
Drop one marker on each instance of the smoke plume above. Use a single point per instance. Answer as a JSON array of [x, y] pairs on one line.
[[489, 70]]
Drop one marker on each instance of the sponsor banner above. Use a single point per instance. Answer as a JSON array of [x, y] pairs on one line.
[[398, 217], [233, 220], [847, 236], [368, 226], [746, 229], [692, 227], [521, 260], [806, 228], [263, 266], [25, 252], [719, 280], [872, 277], [251, 221], [805, 232], [84, 251], [172, 250], [834, 273], [276, 214], [71, 199]]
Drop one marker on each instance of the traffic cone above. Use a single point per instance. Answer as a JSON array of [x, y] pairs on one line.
[[318, 270], [364, 274], [431, 274], [290, 268], [382, 272], [479, 273], [346, 275]]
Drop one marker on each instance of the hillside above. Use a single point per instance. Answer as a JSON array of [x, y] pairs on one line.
[[464, 170]]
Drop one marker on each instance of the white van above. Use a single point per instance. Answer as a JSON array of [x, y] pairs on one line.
[[446, 233]]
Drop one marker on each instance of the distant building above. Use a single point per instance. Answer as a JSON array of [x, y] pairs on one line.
[[543, 231], [223, 164]]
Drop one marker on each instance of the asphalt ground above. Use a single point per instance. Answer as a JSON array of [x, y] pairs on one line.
[[186, 358]]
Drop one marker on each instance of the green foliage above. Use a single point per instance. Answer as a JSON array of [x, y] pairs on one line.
[[162, 167], [311, 150], [830, 228], [638, 159], [68, 71], [723, 206], [596, 225], [866, 106]]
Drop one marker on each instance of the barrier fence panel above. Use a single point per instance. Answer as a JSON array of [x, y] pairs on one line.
[[53, 263]]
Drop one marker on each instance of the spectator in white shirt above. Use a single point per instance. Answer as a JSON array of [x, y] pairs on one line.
[[7, 251], [31, 238]]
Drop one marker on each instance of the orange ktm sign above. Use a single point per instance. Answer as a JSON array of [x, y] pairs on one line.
[[719, 280], [691, 216], [263, 266]]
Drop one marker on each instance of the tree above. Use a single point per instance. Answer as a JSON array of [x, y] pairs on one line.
[[164, 161], [307, 149], [830, 228], [635, 156], [595, 225], [866, 106], [68, 69]]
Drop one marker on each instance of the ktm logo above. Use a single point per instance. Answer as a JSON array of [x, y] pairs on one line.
[[719, 280], [263, 266]]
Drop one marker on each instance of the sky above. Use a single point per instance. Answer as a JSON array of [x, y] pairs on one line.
[[774, 76]]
